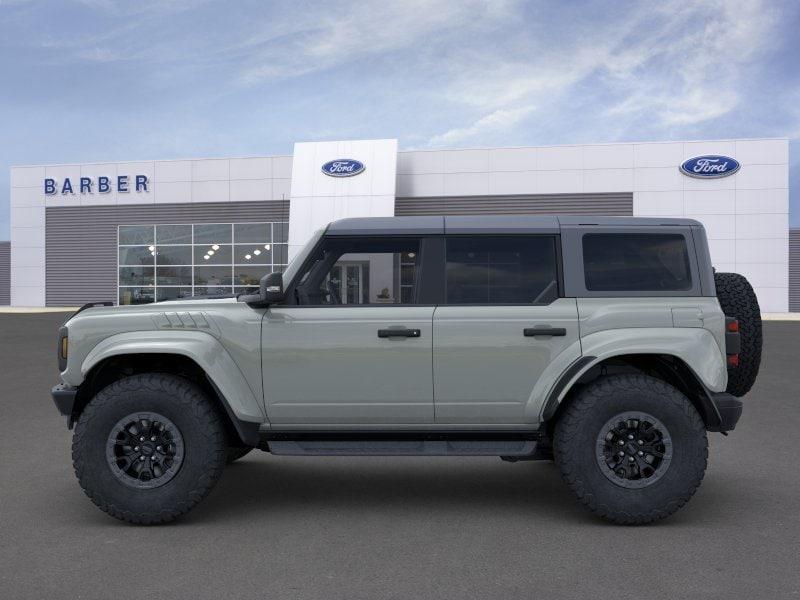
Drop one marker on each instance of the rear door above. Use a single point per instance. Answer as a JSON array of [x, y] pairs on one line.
[[502, 323]]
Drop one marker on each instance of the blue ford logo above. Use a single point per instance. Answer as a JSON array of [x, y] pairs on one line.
[[710, 166], [343, 167]]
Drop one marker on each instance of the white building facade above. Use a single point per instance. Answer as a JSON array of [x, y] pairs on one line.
[[143, 231]]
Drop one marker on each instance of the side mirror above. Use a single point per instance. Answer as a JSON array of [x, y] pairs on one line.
[[272, 288], [270, 291]]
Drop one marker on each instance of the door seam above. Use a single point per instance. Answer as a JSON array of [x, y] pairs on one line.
[[433, 371]]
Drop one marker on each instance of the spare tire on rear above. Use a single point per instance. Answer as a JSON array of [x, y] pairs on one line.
[[738, 300]]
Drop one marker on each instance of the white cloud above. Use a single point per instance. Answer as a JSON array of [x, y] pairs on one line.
[[300, 43], [673, 64], [146, 31], [141, 7], [477, 67], [497, 121], [698, 74]]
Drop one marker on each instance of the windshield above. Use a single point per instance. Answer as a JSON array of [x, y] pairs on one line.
[[296, 262]]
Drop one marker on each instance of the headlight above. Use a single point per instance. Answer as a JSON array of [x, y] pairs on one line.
[[63, 348]]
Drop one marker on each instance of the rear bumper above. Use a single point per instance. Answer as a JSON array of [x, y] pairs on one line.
[[64, 399], [729, 409]]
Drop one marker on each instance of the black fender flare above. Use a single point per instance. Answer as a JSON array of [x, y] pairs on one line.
[[705, 401]]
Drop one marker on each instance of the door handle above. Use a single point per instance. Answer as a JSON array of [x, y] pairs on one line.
[[544, 331], [402, 333]]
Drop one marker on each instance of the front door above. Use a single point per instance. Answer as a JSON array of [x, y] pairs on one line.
[[501, 325], [352, 346]]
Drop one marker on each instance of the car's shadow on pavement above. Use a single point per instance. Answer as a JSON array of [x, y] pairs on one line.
[[264, 485], [271, 483]]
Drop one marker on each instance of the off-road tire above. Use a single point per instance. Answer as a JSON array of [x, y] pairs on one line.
[[234, 453], [575, 441], [737, 299], [199, 424]]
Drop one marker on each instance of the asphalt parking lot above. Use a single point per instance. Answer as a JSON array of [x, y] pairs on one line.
[[293, 527]]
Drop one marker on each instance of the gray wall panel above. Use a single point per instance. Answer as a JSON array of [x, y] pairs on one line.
[[81, 241], [5, 273], [794, 270], [550, 204]]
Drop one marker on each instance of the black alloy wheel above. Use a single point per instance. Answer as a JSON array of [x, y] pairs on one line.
[[634, 449], [145, 450]]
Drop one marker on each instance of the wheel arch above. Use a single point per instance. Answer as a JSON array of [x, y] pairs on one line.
[[669, 368], [114, 366]]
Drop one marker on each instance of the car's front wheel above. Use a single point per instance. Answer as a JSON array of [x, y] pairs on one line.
[[148, 448], [632, 448]]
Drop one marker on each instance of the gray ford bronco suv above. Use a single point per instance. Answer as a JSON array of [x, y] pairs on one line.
[[608, 345]]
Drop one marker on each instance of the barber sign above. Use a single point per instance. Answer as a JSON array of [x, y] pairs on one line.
[[710, 166], [100, 185], [343, 167]]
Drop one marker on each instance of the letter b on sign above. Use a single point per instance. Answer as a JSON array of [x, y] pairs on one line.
[[49, 186]]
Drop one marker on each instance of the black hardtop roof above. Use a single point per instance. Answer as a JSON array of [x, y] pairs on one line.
[[431, 225]]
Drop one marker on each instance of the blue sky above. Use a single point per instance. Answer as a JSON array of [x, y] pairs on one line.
[[102, 80]]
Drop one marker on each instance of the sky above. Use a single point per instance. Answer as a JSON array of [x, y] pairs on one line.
[[98, 80]]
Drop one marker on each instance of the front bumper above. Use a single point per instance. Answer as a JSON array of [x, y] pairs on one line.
[[729, 409], [64, 397]]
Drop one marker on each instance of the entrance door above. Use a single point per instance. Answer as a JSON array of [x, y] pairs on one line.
[[347, 280], [503, 323], [352, 346]]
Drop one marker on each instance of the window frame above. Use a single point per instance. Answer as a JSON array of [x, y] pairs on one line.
[[290, 297], [554, 237], [574, 273]]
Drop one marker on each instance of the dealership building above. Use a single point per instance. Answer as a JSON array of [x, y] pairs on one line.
[[132, 232]]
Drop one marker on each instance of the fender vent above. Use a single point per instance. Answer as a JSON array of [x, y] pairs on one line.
[[181, 320]]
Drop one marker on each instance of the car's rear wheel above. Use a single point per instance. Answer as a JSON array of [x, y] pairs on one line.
[[632, 448], [148, 448], [737, 299]]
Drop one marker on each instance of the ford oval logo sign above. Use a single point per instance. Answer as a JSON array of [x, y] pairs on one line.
[[710, 166], [343, 167]]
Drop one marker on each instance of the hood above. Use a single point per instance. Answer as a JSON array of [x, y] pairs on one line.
[[194, 301], [143, 309]]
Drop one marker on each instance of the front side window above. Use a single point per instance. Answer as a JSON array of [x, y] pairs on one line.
[[636, 262], [359, 271], [501, 270]]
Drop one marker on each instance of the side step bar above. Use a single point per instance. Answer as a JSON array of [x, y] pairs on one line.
[[515, 448]]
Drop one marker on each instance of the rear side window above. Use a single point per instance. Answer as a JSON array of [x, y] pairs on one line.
[[636, 262], [501, 270]]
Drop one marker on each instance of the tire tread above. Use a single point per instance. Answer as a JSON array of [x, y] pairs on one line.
[[581, 409], [737, 299], [190, 398]]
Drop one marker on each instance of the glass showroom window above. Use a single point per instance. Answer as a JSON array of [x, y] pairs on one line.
[[165, 262]]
